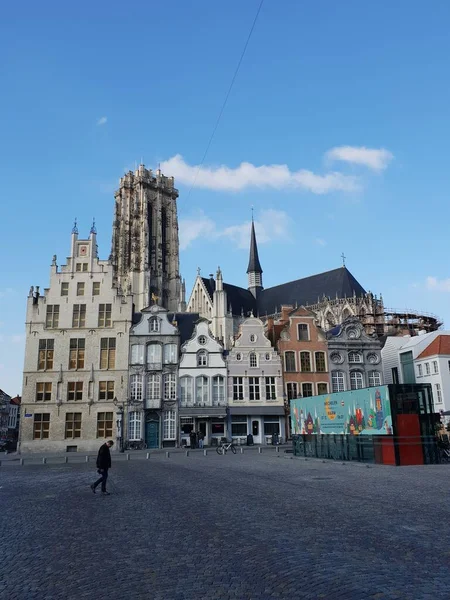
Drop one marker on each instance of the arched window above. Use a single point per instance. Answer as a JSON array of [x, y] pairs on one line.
[[170, 353], [137, 354], [218, 390], [136, 387], [153, 387], [201, 389], [135, 426], [320, 362], [354, 357], [374, 378], [186, 390], [253, 360], [305, 362], [154, 325], [202, 358], [289, 362], [356, 380], [338, 381], [154, 356]]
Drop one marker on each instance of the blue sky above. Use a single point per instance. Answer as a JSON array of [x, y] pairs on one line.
[[346, 105]]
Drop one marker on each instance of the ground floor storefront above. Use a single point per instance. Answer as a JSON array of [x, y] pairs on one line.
[[210, 423], [261, 422]]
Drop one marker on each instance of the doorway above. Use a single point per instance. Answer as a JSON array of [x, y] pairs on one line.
[[201, 426], [152, 434], [256, 431]]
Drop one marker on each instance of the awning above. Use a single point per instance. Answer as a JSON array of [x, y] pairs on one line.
[[257, 410], [219, 412]]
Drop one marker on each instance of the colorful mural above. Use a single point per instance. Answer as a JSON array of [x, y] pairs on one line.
[[357, 412]]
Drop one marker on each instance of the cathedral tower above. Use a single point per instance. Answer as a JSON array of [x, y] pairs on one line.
[[145, 248]]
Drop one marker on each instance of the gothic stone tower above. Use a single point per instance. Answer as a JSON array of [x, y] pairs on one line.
[[145, 248]]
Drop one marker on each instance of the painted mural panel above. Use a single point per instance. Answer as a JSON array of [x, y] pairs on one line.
[[357, 412]]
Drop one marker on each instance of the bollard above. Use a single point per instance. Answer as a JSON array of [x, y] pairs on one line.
[[167, 454], [242, 450], [87, 459], [260, 450], [205, 452], [66, 459], [21, 461], [44, 461], [187, 452], [128, 457], [147, 455], [278, 448]]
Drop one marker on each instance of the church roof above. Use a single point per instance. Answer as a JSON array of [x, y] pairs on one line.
[[254, 266], [240, 299], [310, 290], [185, 324]]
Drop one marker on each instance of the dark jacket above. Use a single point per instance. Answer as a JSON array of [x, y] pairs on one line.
[[104, 457]]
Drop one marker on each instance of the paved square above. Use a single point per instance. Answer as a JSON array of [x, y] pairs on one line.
[[244, 527]]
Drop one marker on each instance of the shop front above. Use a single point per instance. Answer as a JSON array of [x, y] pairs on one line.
[[211, 422], [262, 422]]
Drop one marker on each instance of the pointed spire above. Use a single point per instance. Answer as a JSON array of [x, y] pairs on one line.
[[75, 227], [93, 228], [254, 265]]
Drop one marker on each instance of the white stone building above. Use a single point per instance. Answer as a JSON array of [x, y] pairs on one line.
[[76, 355], [255, 386], [203, 384], [154, 354]]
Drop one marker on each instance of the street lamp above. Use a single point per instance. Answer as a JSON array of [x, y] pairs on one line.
[[119, 423]]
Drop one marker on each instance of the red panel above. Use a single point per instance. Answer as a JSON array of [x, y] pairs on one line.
[[387, 450], [409, 440]]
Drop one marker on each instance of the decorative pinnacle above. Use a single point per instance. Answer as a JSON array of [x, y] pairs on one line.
[[93, 228], [75, 228]]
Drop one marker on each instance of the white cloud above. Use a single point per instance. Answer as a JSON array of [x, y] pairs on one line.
[[272, 224], [373, 158], [320, 242], [102, 121], [440, 285], [247, 175]]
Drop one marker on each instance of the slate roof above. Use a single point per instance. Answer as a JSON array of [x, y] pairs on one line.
[[241, 300], [310, 290], [185, 324], [440, 345]]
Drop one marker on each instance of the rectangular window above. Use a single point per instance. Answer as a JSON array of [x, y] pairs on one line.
[[217, 428], [43, 391], [79, 315], [186, 390], [169, 427], [106, 390], [253, 360], [154, 354], [322, 388], [305, 362], [435, 367], [271, 425], [78, 267], [45, 361], [41, 426], [218, 390], [253, 388], [419, 370], [96, 288], [289, 361], [170, 386], [320, 362], [186, 424], [238, 425], [104, 315], [85, 267], [136, 387], [374, 378], [153, 387], [80, 288], [238, 388], [76, 353], [170, 353], [338, 381], [292, 392], [107, 353], [104, 424], [307, 390], [438, 393], [137, 354], [74, 391], [427, 368], [201, 390], [271, 388], [303, 333], [81, 267], [73, 425], [64, 289], [52, 318], [135, 426]]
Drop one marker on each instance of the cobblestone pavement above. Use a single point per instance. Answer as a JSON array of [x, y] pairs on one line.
[[243, 527]]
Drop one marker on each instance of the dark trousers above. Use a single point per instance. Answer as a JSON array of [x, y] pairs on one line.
[[102, 480]]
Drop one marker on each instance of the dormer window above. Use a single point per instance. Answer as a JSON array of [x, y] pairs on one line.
[[202, 358], [154, 325], [253, 360], [202, 340], [354, 357], [252, 338]]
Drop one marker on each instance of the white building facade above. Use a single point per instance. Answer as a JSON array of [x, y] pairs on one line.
[[76, 355], [202, 386], [255, 386]]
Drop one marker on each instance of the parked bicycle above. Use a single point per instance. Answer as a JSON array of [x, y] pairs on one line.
[[225, 446], [444, 451], [135, 445]]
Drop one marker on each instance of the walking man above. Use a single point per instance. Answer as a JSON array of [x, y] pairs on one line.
[[103, 464]]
